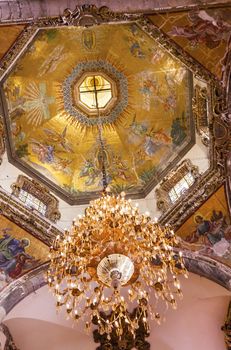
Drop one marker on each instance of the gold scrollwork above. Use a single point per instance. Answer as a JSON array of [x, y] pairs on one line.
[[2, 139], [200, 113]]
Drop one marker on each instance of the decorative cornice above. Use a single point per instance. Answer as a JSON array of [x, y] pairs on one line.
[[17, 290], [2, 139], [88, 15], [200, 113], [23, 11], [208, 268]]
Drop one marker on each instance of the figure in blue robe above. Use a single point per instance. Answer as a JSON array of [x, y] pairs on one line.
[[10, 248]]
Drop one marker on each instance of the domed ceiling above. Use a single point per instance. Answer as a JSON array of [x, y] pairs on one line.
[[72, 84]]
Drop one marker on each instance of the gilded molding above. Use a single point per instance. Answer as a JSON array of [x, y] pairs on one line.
[[16, 48], [200, 113], [2, 139], [88, 15]]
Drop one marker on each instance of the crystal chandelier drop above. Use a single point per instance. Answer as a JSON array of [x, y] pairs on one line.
[[111, 258]]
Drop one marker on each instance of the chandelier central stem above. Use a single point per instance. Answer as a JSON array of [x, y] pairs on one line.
[[102, 151]]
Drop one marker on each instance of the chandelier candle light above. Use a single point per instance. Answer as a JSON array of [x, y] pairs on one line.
[[114, 258]]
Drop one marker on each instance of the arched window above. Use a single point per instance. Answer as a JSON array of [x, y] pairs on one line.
[[176, 184], [32, 201], [37, 197]]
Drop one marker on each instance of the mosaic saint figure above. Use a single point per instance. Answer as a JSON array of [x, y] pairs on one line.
[[10, 249], [212, 235]]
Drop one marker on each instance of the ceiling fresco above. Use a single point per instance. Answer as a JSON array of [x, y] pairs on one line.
[[208, 230], [8, 35], [145, 128], [204, 34], [19, 252]]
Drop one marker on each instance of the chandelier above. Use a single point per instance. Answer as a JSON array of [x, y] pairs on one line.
[[113, 259]]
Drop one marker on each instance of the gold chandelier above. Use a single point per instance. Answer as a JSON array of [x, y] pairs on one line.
[[113, 258]]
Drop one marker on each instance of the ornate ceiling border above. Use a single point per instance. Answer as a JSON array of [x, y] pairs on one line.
[[14, 12], [2, 139]]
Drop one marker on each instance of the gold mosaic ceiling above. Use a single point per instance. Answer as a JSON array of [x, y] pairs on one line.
[[53, 125]]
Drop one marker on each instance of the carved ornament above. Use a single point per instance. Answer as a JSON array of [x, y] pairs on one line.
[[2, 139], [200, 113]]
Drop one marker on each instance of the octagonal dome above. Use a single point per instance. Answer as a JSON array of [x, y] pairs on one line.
[[143, 95]]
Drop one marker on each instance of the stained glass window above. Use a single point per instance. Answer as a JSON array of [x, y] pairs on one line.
[[181, 186], [95, 91], [32, 202]]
